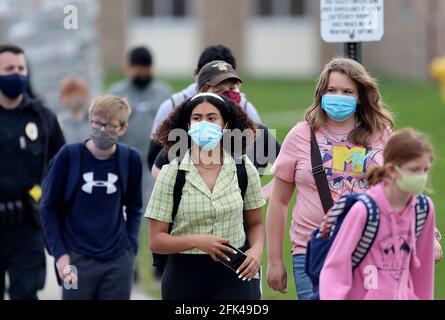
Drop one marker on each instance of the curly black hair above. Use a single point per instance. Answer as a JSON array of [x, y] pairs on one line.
[[232, 114]]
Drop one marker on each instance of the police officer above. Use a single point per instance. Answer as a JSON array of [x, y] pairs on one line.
[[29, 136]]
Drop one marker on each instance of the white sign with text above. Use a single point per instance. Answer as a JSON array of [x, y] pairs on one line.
[[351, 20]]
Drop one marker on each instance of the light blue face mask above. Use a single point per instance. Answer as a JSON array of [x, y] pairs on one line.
[[338, 108], [205, 134]]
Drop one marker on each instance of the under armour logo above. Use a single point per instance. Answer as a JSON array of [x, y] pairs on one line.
[[90, 183]]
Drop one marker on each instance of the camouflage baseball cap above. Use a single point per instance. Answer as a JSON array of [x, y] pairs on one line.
[[216, 72]]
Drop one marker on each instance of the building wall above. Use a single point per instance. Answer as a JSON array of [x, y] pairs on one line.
[[414, 34], [174, 45], [263, 47], [282, 49], [219, 23], [112, 26]]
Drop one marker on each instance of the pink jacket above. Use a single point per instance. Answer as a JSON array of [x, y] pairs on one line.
[[397, 266]]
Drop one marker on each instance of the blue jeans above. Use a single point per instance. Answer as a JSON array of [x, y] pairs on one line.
[[303, 283]]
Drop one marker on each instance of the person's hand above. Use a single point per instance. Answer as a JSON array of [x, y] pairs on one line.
[[438, 253], [213, 246], [250, 266], [277, 276], [64, 269]]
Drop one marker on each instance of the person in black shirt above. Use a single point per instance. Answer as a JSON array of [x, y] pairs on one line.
[[30, 136]]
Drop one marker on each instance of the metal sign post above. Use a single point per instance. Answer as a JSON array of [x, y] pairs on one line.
[[353, 50]]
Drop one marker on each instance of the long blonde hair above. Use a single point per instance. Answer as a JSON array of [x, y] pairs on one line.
[[371, 115]]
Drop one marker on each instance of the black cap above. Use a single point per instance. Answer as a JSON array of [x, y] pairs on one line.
[[140, 56], [216, 72]]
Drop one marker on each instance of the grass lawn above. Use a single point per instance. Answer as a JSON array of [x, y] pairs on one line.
[[281, 103]]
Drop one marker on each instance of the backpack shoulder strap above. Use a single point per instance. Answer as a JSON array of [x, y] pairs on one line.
[[422, 209], [75, 170], [321, 180], [241, 174], [123, 152], [369, 232], [177, 190]]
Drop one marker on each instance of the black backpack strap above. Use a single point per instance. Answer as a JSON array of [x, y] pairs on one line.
[[74, 171], [123, 152], [241, 174], [177, 193], [321, 181]]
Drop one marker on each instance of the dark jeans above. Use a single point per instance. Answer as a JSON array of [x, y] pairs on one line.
[[101, 280], [22, 255], [198, 277]]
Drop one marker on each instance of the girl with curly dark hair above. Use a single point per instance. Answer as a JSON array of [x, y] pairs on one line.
[[209, 221]]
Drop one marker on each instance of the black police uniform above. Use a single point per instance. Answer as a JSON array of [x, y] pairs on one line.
[[29, 137]]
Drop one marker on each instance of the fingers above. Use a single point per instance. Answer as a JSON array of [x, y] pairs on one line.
[[249, 268], [213, 256], [277, 281], [275, 285], [279, 285], [70, 278], [228, 249], [219, 253]]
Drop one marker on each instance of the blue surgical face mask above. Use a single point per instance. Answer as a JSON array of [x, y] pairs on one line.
[[205, 134], [338, 108], [13, 85]]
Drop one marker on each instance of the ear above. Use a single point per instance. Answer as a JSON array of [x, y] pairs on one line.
[[122, 130], [391, 172], [128, 70]]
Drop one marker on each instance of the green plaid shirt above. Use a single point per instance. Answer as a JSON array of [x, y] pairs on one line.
[[218, 213]]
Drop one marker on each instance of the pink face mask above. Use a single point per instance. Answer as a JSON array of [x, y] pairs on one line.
[[233, 95]]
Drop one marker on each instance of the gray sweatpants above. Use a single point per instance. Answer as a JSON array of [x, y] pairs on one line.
[[101, 280]]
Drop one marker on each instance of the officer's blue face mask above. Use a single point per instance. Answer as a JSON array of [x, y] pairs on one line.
[[338, 108], [205, 134], [13, 85]]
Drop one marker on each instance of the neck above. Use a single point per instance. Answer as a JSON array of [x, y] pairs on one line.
[[100, 154], [9, 104], [212, 157], [348, 123], [398, 199]]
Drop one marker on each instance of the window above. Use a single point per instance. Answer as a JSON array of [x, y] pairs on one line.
[[165, 8], [273, 8]]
